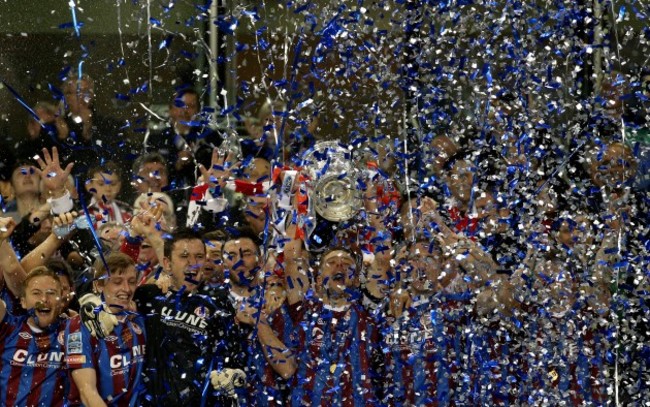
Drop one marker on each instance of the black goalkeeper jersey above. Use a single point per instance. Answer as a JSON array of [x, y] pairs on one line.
[[188, 335]]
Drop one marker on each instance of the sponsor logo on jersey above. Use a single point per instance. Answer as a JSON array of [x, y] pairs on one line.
[[201, 311], [50, 359], [171, 316], [125, 360], [25, 335], [76, 359], [74, 343]]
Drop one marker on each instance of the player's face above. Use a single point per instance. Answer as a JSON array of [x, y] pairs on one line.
[[214, 264], [556, 286], [118, 289], [43, 295], [241, 261], [425, 267], [105, 186], [460, 180], [615, 168], [337, 273], [186, 263]]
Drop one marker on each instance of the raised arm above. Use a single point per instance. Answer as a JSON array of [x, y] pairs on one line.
[[54, 180], [50, 245], [13, 272], [277, 354]]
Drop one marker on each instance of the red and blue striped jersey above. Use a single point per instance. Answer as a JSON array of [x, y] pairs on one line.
[[264, 386], [335, 353], [118, 360], [417, 351], [31, 372]]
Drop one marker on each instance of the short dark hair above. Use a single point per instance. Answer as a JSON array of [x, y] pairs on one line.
[[186, 90], [147, 159], [60, 267], [178, 235], [109, 167], [243, 232], [219, 235], [356, 256]]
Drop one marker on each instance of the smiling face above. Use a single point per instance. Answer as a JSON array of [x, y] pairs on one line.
[[43, 295], [186, 263], [118, 288]]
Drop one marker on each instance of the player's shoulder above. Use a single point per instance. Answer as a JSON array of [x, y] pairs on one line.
[[148, 292]]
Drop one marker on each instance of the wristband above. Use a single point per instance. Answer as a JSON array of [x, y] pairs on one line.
[[62, 204]]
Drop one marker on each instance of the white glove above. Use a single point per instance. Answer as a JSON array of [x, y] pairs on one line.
[[94, 316], [226, 380]]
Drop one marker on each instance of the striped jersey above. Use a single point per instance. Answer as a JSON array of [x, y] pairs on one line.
[[336, 348], [32, 369], [118, 360]]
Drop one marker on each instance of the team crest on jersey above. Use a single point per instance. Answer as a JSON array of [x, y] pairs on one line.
[[59, 338], [25, 335], [201, 311], [74, 343], [317, 337], [136, 329]]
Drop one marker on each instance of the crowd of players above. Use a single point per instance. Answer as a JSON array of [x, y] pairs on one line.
[[493, 275]]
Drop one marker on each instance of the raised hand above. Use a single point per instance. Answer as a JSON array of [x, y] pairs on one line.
[[54, 177], [220, 169], [145, 224], [7, 226]]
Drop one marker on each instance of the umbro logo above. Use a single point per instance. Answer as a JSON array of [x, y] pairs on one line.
[[25, 335]]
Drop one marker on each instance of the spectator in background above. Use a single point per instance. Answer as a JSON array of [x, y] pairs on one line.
[[150, 173], [187, 141], [44, 131], [93, 138], [104, 184]]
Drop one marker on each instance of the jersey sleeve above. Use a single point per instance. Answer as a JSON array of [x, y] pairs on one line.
[[79, 345], [145, 298], [8, 324], [226, 335]]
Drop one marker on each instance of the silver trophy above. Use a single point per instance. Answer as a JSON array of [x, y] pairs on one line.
[[332, 176]]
